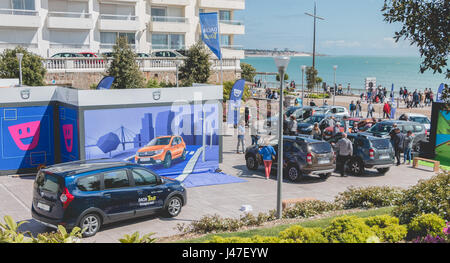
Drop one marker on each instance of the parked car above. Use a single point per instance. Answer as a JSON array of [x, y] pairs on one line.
[[107, 54], [143, 55], [306, 126], [67, 55], [291, 110], [337, 111], [420, 118], [301, 156], [382, 129], [89, 54], [370, 153], [166, 54], [162, 150], [90, 194]]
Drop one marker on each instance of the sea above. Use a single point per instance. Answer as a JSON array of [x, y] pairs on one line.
[[400, 71]]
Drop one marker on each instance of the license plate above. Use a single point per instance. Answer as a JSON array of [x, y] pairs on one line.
[[384, 156], [43, 206], [323, 161], [146, 159]]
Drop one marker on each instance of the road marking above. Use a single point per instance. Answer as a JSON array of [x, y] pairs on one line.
[[190, 165], [15, 197]]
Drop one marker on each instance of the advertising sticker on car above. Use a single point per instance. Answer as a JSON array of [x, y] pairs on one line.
[[43, 206], [149, 200], [323, 160]]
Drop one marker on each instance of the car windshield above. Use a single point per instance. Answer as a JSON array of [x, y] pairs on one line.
[[423, 120], [381, 128], [159, 141], [313, 119], [320, 147]]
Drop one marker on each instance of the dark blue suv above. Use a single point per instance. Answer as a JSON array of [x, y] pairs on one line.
[[89, 194]]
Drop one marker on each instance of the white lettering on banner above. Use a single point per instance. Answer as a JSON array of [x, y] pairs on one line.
[[182, 119]]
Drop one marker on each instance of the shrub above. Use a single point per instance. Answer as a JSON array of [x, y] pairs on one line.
[[368, 197], [387, 228], [152, 84], [308, 208], [303, 235], [33, 71], [248, 72], [9, 232], [60, 236], [348, 229], [426, 224], [136, 238], [253, 239], [428, 196], [196, 67]]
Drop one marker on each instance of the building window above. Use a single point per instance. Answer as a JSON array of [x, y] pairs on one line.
[[224, 15], [159, 11], [225, 40], [201, 10], [167, 41], [111, 37], [23, 4]]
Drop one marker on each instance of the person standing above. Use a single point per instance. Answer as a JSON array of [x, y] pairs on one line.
[[346, 124], [344, 149], [315, 132], [336, 128], [292, 127], [268, 154], [370, 110], [352, 109], [254, 132], [398, 144], [241, 135], [358, 108], [386, 111], [407, 147]]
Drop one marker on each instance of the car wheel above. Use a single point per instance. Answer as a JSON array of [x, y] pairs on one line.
[[294, 173], [251, 162], [183, 155], [325, 176], [173, 206], [383, 170], [167, 160], [90, 224], [356, 167]]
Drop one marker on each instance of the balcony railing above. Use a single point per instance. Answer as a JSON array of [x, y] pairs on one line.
[[162, 46], [69, 45], [119, 17], [20, 12], [170, 19], [237, 47], [111, 45], [69, 14], [232, 22]]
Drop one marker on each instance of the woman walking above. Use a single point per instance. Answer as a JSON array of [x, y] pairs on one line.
[[316, 133], [268, 154]]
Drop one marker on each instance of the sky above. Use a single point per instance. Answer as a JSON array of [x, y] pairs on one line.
[[351, 27]]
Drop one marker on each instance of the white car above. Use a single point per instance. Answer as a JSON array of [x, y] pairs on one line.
[[337, 110], [420, 118]]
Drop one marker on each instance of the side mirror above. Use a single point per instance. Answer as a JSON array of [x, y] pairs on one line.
[[159, 180]]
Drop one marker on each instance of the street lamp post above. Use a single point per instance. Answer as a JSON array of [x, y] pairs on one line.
[[20, 57], [177, 64], [281, 63], [334, 67], [303, 92]]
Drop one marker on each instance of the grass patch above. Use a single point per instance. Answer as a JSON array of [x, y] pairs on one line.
[[443, 167], [273, 231]]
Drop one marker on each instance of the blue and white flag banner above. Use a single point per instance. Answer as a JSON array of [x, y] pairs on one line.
[[209, 23], [234, 103]]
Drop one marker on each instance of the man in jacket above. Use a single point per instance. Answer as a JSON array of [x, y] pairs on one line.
[[398, 144], [344, 149]]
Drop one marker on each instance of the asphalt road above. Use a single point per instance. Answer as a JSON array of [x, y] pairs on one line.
[[225, 200]]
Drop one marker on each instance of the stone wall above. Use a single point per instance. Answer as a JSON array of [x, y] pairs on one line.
[[83, 80]]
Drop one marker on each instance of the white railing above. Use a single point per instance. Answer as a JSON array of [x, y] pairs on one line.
[[69, 14], [69, 45], [237, 47], [101, 63], [118, 17], [232, 22], [110, 46], [170, 19], [21, 12], [164, 47], [14, 45]]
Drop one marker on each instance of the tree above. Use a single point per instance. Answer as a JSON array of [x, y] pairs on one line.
[[197, 67], [311, 78], [124, 68], [426, 24], [248, 72], [33, 71], [286, 76]]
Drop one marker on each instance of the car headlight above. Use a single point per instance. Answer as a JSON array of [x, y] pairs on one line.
[[158, 152]]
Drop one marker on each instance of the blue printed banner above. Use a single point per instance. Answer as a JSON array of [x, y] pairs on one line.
[[439, 93], [209, 24], [234, 102], [106, 82]]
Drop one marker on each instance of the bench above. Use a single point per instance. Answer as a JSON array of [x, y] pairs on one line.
[[436, 163], [286, 202]]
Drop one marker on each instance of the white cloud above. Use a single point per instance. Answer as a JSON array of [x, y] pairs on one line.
[[340, 43]]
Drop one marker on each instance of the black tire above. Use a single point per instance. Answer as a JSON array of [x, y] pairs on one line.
[[183, 155], [356, 167], [172, 208], [167, 160], [293, 173], [383, 170], [91, 224], [251, 162]]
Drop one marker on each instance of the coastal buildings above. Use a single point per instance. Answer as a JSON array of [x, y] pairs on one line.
[[47, 27]]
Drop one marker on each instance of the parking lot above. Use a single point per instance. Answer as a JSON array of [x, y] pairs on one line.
[[224, 200]]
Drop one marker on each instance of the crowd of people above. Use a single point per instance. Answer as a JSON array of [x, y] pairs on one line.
[[417, 98]]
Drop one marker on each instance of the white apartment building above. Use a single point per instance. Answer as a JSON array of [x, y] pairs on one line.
[[47, 27]]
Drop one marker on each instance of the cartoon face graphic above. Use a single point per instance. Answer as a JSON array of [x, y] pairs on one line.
[[68, 136], [25, 135]]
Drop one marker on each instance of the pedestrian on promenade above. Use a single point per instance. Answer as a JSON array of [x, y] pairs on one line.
[[241, 135], [254, 132], [292, 126], [398, 144], [268, 154], [316, 133], [407, 147], [325, 103], [346, 124], [352, 109], [336, 128], [387, 111], [370, 110], [344, 149], [358, 108]]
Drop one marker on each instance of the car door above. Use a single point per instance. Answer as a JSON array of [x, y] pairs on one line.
[[119, 196], [150, 195]]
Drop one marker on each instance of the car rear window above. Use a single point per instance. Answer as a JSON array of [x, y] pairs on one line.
[[418, 128], [381, 128], [380, 143], [47, 182], [89, 183], [320, 147]]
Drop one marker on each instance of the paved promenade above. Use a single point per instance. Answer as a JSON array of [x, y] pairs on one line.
[[225, 200]]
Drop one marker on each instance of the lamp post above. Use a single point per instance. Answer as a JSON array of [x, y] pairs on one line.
[[177, 64], [334, 67], [303, 92], [281, 63], [20, 57]]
